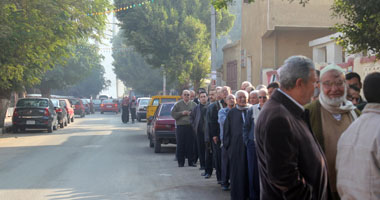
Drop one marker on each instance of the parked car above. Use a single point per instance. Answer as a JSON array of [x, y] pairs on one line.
[[34, 113], [156, 100], [78, 107], [162, 128], [142, 104], [86, 105], [109, 105], [61, 113], [97, 103], [69, 109]]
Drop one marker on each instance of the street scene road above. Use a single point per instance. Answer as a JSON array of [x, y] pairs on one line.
[[96, 157]]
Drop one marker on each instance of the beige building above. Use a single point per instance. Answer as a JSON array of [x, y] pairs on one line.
[[273, 30]]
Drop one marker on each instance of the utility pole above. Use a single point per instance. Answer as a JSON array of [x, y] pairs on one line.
[[213, 44], [163, 80], [113, 36]]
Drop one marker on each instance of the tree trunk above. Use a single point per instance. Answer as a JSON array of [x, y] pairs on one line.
[[45, 92], [5, 96]]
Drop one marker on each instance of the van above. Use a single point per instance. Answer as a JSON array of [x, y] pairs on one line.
[[157, 100]]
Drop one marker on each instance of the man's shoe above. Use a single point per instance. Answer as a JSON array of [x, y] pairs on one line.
[[207, 176], [225, 188], [180, 165], [220, 182], [192, 165], [203, 174], [202, 168]]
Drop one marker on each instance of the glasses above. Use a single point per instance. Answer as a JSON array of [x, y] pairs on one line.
[[262, 97], [329, 84], [186, 94]]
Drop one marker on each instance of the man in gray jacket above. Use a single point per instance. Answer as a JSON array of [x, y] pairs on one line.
[[185, 137]]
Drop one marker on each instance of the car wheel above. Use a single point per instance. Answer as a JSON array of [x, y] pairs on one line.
[[138, 118], [68, 119], [151, 144], [72, 119], [66, 122], [14, 129], [61, 125], [55, 127], [157, 146], [101, 112]]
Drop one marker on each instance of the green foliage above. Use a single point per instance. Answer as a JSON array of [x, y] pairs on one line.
[[361, 28], [84, 58], [35, 36], [223, 4], [132, 69], [174, 34], [92, 85]]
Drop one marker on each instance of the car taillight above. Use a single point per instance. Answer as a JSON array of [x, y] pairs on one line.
[[116, 105], [47, 113], [15, 113], [101, 105]]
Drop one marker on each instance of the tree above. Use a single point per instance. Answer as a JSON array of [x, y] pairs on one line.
[[223, 4], [156, 32], [132, 69], [35, 34], [84, 58], [361, 28], [92, 85]]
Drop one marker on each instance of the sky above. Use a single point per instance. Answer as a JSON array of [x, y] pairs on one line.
[[106, 51]]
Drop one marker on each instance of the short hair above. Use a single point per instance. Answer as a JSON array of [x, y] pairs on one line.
[[352, 75], [242, 91], [295, 67], [274, 85], [254, 92], [200, 90], [354, 88], [246, 82], [259, 87], [203, 92], [371, 87]]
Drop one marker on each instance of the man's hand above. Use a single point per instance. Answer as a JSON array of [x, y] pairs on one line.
[[186, 112], [216, 139]]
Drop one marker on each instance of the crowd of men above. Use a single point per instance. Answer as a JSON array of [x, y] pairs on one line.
[[309, 136]]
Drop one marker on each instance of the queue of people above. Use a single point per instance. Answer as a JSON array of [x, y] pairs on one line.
[[305, 137]]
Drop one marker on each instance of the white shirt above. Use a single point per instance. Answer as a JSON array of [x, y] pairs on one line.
[[299, 105]]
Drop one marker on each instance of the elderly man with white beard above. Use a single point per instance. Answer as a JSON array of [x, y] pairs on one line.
[[331, 115]]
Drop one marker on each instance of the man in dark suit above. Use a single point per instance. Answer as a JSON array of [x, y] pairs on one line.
[[291, 162]]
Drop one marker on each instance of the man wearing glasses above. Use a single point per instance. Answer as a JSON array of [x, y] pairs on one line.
[[331, 115], [185, 137]]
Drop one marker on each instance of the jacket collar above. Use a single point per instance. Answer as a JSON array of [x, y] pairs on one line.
[[372, 108], [287, 102]]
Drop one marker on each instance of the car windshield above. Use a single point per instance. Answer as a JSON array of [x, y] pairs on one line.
[[166, 109], [32, 103], [96, 101], [168, 100], [108, 101], [55, 102], [144, 102], [75, 102]]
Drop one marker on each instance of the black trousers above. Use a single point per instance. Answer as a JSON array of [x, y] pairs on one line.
[[253, 171], [225, 167], [133, 114], [201, 147], [208, 158], [217, 155], [185, 144], [125, 114]]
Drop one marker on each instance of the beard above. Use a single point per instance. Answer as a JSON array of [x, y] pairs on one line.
[[333, 101]]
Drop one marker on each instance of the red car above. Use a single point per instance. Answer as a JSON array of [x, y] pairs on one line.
[[69, 109], [79, 107], [162, 127], [109, 105]]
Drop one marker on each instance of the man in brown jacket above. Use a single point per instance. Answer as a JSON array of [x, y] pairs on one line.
[[291, 162]]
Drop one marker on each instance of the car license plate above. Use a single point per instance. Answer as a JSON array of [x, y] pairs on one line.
[[109, 106], [30, 122]]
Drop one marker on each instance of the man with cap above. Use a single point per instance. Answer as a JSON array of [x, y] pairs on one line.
[[331, 115]]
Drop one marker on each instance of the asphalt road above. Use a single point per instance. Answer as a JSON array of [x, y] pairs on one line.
[[96, 157]]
